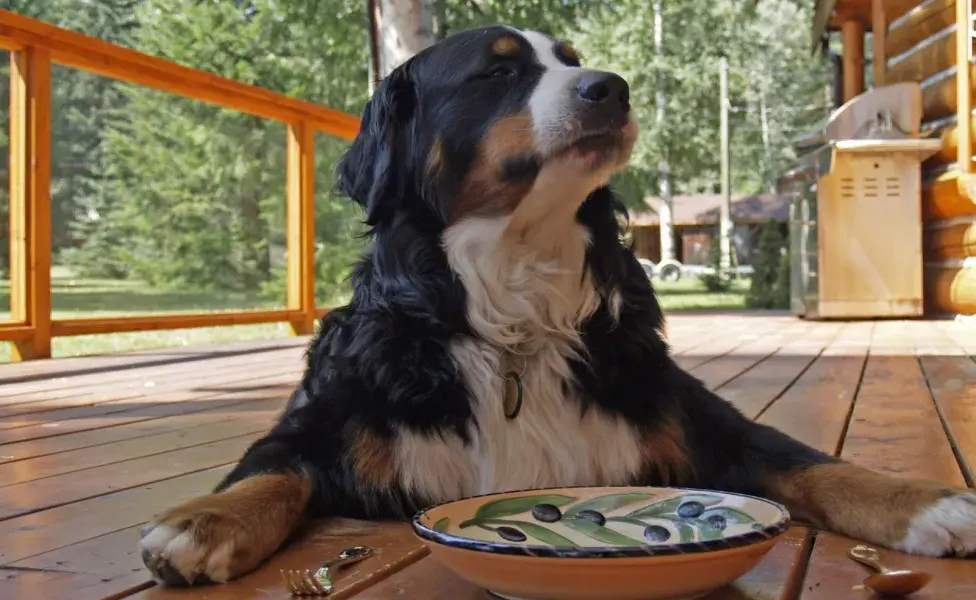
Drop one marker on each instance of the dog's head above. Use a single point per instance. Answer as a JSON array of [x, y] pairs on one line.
[[467, 126]]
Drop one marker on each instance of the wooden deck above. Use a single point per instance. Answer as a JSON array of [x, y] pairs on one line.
[[91, 448]]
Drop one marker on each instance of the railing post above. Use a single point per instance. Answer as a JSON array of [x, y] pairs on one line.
[[964, 86], [30, 199], [300, 161], [879, 37]]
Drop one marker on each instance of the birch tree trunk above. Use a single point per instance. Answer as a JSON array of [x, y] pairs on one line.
[[666, 213], [398, 30]]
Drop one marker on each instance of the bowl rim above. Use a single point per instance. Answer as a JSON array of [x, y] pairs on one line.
[[756, 536]]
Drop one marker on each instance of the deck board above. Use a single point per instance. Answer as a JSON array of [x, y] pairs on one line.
[[91, 448], [895, 428]]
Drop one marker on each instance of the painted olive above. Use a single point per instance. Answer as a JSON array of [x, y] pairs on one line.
[[511, 534], [592, 516], [691, 509], [547, 513], [656, 533], [717, 521]]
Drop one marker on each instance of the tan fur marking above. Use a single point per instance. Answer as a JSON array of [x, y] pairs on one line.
[[567, 51], [373, 459], [505, 46], [484, 192], [435, 159], [666, 454], [855, 501]]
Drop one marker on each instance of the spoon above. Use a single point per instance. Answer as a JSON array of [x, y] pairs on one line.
[[888, 582]]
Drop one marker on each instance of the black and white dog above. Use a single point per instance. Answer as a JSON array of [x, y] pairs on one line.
[[496, 251]]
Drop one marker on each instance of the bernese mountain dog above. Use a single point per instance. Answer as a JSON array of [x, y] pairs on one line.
[[501, 336]]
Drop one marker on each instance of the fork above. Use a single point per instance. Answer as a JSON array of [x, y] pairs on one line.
[[305, 582]]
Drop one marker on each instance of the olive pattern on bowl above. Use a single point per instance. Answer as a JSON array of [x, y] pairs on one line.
[[625, 519]]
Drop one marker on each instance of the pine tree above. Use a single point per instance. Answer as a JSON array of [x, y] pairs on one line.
[[766, 268]]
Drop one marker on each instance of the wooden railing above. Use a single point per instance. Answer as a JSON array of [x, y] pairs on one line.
[[34, 46]]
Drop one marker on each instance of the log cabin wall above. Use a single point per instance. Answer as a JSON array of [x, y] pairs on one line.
[[930, 42]]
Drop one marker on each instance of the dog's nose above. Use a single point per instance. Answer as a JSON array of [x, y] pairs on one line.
[[598, 87]]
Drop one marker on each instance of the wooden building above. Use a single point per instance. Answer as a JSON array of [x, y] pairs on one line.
[[929, 42], [696, 220]]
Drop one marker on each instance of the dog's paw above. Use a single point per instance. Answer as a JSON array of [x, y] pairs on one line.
[[195, 544], [945, 528], [218, 537]]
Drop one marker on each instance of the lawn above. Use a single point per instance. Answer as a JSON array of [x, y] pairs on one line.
[[76, 297]]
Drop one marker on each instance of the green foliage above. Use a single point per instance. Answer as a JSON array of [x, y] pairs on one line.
[[714, 280], [767, 45], [769, 277], [150, 187]]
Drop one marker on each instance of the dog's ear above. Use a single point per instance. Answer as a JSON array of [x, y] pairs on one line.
[[368, 173]]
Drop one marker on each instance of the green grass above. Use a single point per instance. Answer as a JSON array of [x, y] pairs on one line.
[[690, 294], [74, 297]]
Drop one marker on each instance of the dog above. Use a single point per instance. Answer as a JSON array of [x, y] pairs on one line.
[[501, 336]]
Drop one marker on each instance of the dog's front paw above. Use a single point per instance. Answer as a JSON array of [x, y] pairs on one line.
[[944, 528], [215, 538], [196, 543]]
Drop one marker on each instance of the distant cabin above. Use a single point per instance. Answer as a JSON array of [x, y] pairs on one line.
[[696, 225]]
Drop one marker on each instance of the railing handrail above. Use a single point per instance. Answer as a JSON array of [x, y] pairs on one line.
[[88, 53], [35, 46]]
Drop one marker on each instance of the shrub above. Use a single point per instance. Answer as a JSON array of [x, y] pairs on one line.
[[770, 286], [715, 281]]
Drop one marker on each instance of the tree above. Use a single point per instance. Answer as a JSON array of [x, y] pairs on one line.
[[81, 102], [766, 288], [398, 29], [193, 195], [767, 47]]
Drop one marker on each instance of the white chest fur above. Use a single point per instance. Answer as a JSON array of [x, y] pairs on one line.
[[519, 305]]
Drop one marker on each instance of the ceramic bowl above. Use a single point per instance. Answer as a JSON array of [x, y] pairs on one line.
[[610, 543]]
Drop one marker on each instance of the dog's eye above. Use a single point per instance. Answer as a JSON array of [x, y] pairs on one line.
[[503, 70]]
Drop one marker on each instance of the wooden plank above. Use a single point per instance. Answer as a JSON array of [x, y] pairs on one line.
[[685, 334], [30, 200], [753, 391], [48, 530], [36, 468], [84, 52], [204, 377], [951, 379], [182, 424], [831, 575], [944, 197], [44, 371], [300, 234], [937, 54], [927, 19], [727, 341], [816, 408], [726, 368], [94, 409], [950, 288], [59, 490], [97, 325], [950, 239], [263, 387], [895, 429]]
